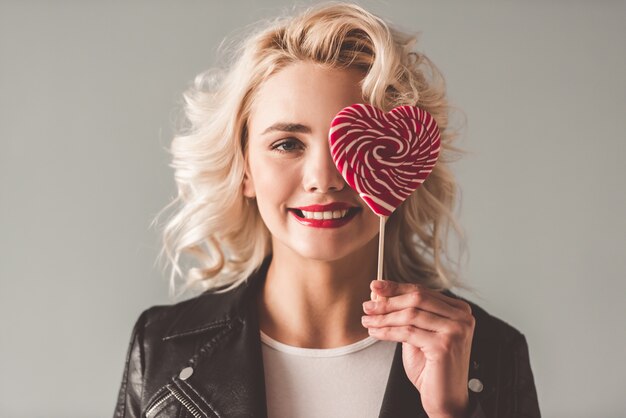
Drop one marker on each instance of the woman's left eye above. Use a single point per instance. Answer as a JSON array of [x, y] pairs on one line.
[[287, 145]]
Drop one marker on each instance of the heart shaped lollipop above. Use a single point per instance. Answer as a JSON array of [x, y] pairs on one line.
[[384, 156]]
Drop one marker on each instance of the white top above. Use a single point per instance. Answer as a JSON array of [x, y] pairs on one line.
[[344, 382]]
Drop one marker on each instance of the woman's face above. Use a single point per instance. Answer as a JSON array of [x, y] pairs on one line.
[[303, 200]]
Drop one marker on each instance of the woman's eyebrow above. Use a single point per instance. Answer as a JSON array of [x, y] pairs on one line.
[[288, 127]]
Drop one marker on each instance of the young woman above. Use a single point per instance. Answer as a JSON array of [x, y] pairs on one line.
[[291, 322]]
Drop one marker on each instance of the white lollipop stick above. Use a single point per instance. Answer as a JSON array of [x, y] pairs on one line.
[[381, 249]]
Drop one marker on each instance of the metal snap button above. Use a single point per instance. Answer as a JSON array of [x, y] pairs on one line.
[[185, 373], [475, 385]]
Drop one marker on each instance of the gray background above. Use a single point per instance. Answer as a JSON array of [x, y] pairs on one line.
[[88, 93]]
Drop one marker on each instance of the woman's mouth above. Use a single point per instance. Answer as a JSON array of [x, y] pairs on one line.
[[324, 219]]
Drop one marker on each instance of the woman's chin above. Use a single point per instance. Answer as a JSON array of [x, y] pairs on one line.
[[333, 253], [317, 254]]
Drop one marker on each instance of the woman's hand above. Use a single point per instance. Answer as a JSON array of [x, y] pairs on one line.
[[436, 334]]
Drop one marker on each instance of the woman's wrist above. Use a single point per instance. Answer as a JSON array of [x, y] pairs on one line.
[[463, 411]]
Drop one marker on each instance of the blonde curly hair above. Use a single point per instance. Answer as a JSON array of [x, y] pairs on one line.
[[223, 232]]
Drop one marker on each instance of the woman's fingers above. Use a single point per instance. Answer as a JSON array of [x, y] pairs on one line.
[[419, 338], [410, 316], [415, 299], [387, 289]]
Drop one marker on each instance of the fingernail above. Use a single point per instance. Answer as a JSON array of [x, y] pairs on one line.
[[379, 284], [369, 305]]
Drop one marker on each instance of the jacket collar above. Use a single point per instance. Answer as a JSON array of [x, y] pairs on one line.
[[213, 310]]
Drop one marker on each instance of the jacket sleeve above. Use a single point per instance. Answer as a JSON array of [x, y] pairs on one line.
[[130, 394], [526, 403], [475, 410], [517, 395]]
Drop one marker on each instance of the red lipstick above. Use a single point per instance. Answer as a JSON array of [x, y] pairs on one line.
[[325, 223], [326, 207]]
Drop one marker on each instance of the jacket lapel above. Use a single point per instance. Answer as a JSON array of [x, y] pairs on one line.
[[228, 378]]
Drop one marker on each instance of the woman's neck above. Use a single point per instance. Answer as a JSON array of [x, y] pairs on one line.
[[316, 304]]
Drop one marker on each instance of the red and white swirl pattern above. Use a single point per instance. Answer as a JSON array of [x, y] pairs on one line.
[[384, 156]]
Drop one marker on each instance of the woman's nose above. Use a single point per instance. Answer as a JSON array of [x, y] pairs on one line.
[[320, 173]]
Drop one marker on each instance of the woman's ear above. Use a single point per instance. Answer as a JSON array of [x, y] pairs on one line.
[[248, 184]]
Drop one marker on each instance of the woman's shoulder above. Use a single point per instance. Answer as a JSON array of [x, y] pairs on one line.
[[208, 309], [167, 337], [201, 312]]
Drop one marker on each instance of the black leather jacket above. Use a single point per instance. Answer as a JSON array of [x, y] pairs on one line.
[[202, 358]]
